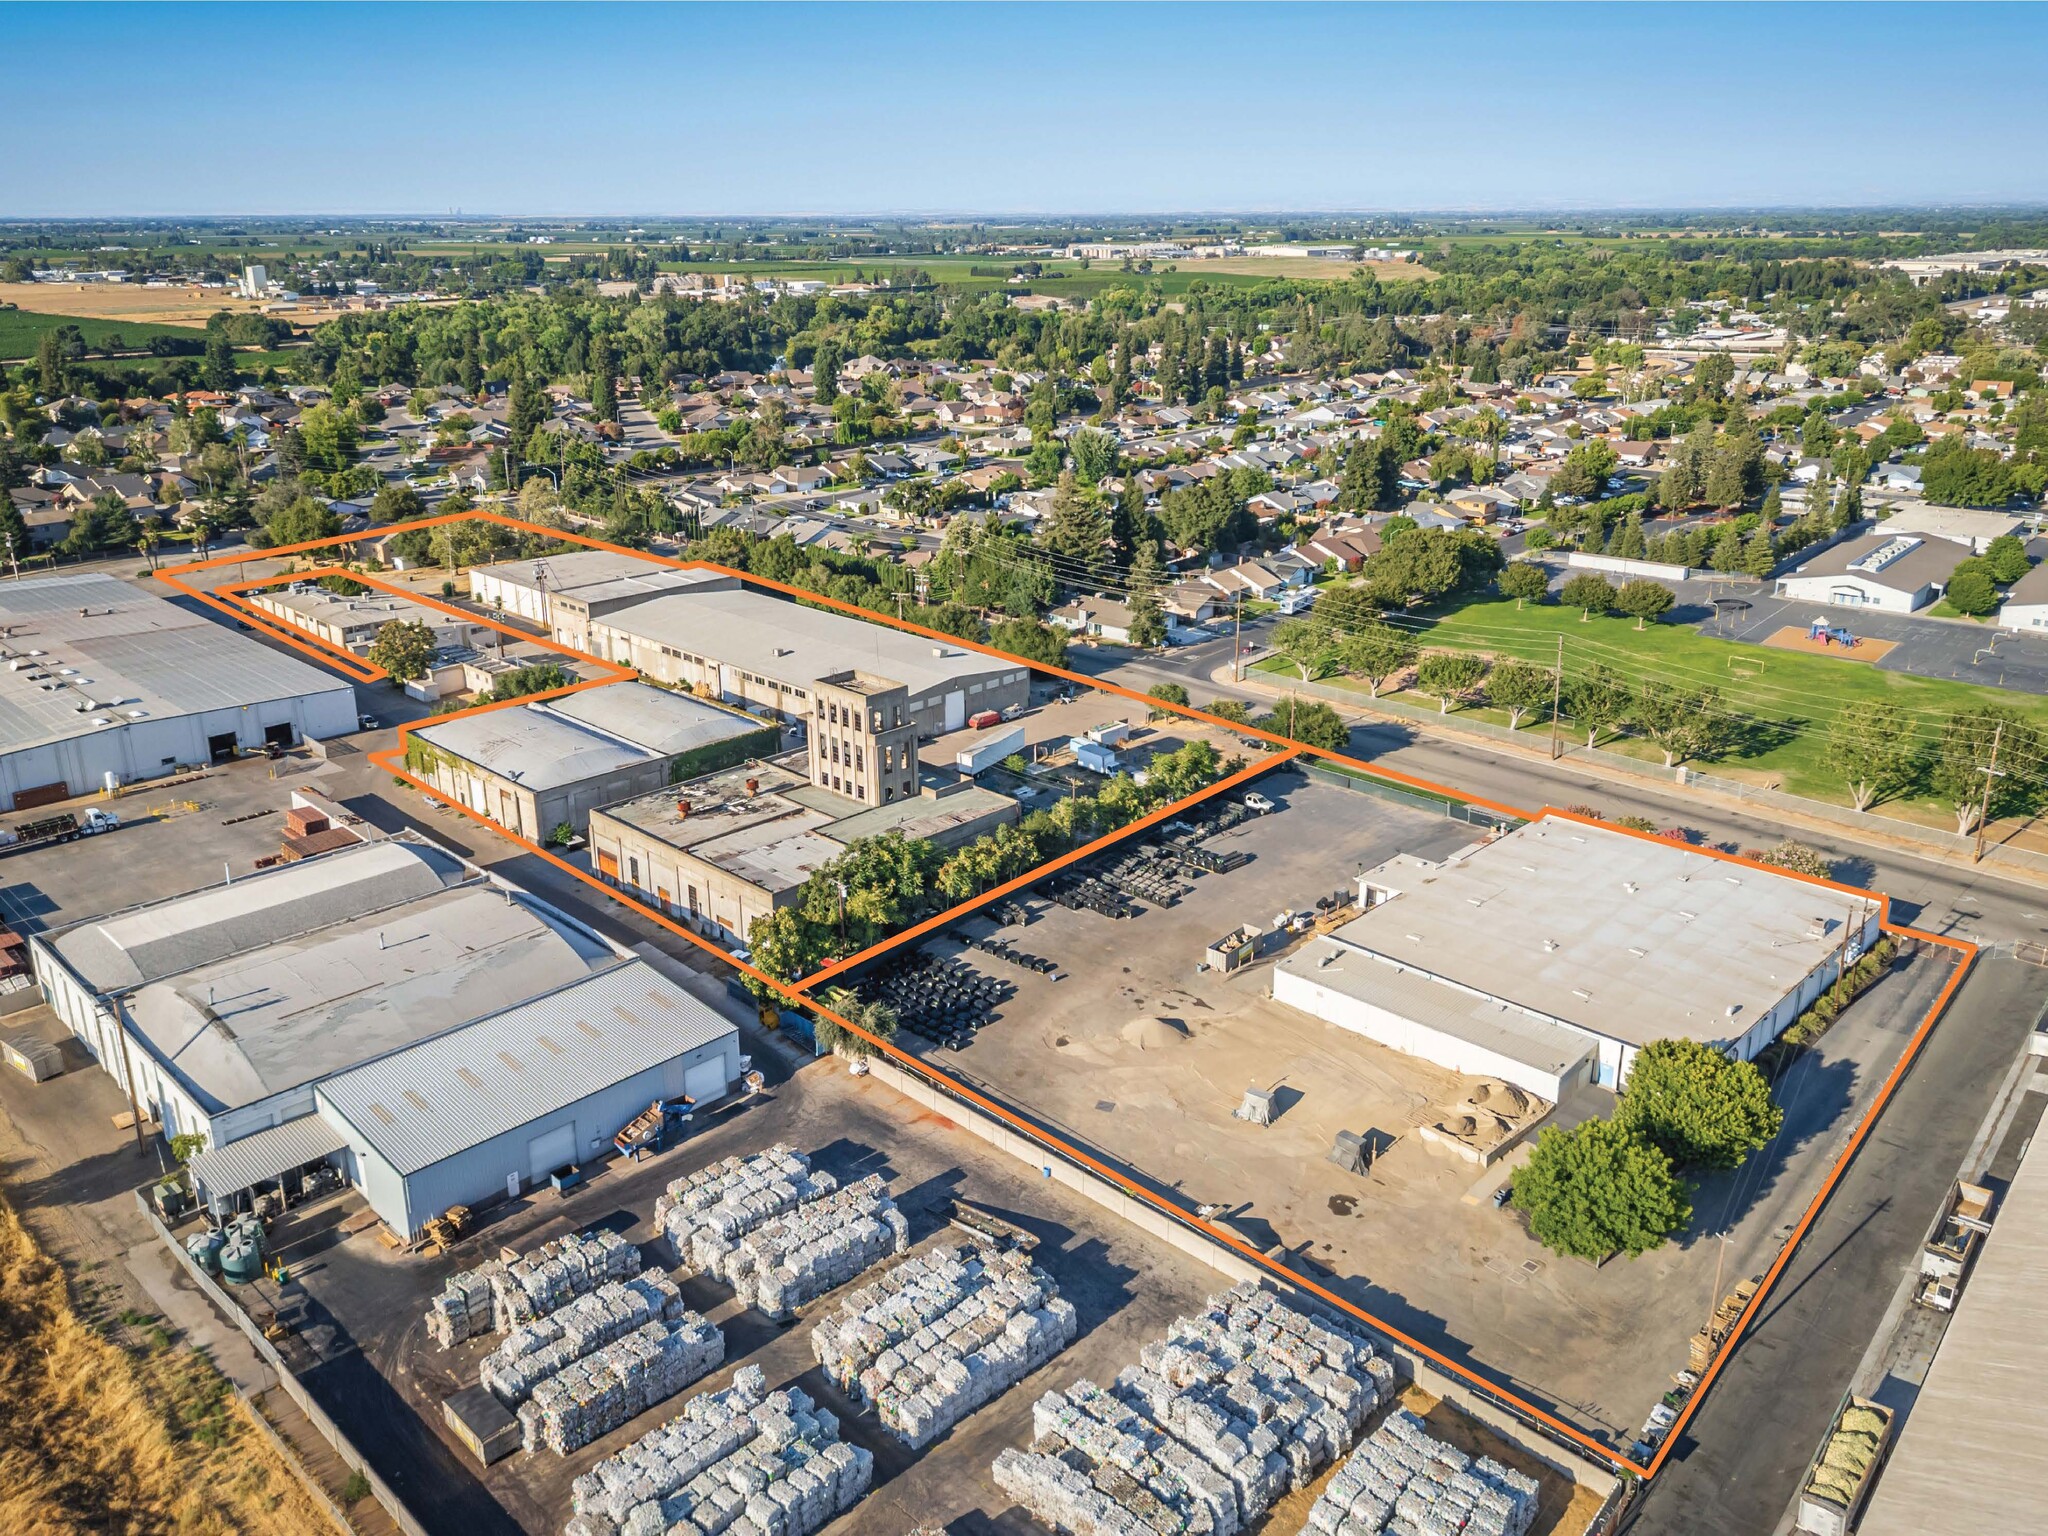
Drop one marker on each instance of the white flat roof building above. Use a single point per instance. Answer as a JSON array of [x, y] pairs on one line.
[[1555, 953], [98, 677]]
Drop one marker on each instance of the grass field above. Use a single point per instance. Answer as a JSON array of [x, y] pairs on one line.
[[1785, 698], [99, 1436], [22, 329]]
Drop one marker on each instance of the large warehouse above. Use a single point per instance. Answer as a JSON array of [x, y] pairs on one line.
[[1550, 956], [536, 767], [437, 1032], [712, 633], [101, 678]]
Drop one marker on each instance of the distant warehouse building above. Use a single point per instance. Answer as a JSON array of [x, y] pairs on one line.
[[99, 678], [1552, 955], [710, 633], [535, 767], [352, 623], [437, 1033]]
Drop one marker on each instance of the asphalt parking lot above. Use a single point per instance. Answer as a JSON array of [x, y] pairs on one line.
[[1417, 1242], [367, 1357]]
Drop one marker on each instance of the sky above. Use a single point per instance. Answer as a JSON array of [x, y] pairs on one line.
[[644, 110]]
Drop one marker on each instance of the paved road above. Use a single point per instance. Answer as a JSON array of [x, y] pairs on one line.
[[1740, 1462], [1944, 894]]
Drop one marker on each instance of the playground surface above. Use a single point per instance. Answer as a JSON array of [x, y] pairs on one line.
[[1856, 648]]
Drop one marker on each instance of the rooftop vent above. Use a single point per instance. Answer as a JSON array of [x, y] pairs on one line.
[[1550, 946]]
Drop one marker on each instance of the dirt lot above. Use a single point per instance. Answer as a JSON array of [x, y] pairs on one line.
[[1417, 1242], [180, 305]]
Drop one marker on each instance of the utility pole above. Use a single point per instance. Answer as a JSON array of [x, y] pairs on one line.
[[1236, 641], [1556, 697], [1991, 771]]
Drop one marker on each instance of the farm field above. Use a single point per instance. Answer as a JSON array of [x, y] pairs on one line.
[[21, 329], [182, 306]]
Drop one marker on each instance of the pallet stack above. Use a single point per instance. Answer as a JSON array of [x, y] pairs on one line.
[[1405, 1482], [534, 1351], [496, 1296], [942, 1334], [743, 1460], [815, 1248], [1237, 1407], [705, 1214], [595, 1395]]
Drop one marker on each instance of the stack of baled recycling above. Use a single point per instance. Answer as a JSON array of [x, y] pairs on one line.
[[466, 1305], [595, 1395], [705, 1214], [496, 1297], [1238, 1406], [534, 1351], [743, 1460], [1405, 1482], [816, 1247], [941, 1334]]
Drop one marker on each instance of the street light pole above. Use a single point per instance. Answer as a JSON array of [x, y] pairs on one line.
[[1556, 697]]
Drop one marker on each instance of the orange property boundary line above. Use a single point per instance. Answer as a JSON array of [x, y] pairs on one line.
[[797, 994]]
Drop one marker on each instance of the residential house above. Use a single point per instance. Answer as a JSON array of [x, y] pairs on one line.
[[1102, 618]]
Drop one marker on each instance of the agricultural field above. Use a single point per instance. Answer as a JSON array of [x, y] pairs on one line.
[[184, 305], [22, 329]]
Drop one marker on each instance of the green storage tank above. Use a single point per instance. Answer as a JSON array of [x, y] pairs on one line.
[[205, 1250], [241, 1258]]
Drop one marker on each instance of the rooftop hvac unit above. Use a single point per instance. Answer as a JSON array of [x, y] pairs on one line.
[[1352, 1153]]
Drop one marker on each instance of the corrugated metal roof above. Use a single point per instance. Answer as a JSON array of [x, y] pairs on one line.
[[265, 1155], [1973, 1455], [95, 647], [420, 1105]]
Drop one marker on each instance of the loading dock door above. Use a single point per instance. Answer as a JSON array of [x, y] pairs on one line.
[[706, 1080], [281, 735], [221, 748], [956, 711], [547, 1152]]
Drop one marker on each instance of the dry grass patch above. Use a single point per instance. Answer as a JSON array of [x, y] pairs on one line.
[[183, 304], [118, 1439]]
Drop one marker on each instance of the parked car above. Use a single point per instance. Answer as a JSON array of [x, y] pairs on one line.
[[1257, 802]]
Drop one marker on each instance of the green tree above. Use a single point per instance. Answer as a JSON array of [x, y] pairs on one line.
[[826, 362], [1970, 587], [1962, 764], [1589, 593], [1076, 533], [1376, 652], [1031, 640], [1170, 693], [1524, 581], [1586, 470], [1872, 749], [1684, 723], [1518, 687], [404, 648], [1315, 725], [1760, 551], [2007, 557], [302, 521], [1727, 551], [876, 1018], [396, 504], [1347, 608], [1697, 1106], [1448, 676], [1953, 474], [1598, 700], [219, 370], [104, 524], [1644, 600], [327, 438], [526, 406], [1599, 1189], [1095, 455], [52, 374], [1309, 643], [604, 384]]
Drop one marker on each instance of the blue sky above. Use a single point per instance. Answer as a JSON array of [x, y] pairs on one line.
[[545, 109]]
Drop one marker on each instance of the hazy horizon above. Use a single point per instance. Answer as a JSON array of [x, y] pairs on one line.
[[1015, 112]]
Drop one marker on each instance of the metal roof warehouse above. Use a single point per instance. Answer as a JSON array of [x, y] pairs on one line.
[[362, 987], [99, 678]]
